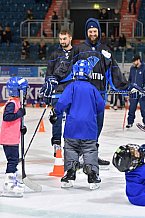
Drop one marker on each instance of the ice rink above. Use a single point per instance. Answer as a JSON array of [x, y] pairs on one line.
[[109, 201]]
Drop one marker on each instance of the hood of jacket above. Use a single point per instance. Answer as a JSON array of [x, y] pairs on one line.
[[97, 25]]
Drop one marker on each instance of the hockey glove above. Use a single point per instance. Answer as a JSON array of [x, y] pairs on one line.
[[52, 116], [48, 87], [23, 130]]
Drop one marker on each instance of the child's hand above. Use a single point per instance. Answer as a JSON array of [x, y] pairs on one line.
[[23, 130]]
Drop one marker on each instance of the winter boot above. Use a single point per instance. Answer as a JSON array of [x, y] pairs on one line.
[[68, 180], [11, 187], [103, 164]]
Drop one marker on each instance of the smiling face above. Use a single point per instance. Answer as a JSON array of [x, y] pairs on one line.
[[93, 35]]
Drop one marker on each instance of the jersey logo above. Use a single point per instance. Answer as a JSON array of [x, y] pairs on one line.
[[93, 60]]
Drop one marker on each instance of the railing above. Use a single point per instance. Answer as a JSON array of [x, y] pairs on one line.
[[137, 28], [35, 28]]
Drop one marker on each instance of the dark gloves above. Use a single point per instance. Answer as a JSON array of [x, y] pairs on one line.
[[21, 112], [23, 130], [52, 116], [48, 87]]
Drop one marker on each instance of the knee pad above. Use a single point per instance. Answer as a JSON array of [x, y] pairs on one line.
[[75, 165], [87, 169]]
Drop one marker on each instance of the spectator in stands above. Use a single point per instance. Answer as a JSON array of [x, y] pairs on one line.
[[104, 39], [116, 19], [1, 33], [122, 42], [29, 15], [113, 44], [132, 2], [8, 34], [54, 24], [25, 49], [103, 16], [42, 51]]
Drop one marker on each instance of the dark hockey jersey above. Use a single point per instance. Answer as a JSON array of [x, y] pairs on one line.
[[105, 67], [60, 65]]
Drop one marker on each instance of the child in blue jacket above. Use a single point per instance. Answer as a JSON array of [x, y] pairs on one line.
[[82, 103], [130, 159]]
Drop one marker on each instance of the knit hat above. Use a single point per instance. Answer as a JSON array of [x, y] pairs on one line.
[[92, 24]]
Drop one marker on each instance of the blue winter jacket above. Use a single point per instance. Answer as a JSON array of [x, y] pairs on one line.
[[135, 186], [82, 103], [137, 75]]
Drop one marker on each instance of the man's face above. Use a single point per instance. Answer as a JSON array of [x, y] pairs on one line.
[[93, 34], [136, 63], [65, 40]]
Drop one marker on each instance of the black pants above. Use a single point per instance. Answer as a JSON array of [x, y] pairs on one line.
[[12, 156]]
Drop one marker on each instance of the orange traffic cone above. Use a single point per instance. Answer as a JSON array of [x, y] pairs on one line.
[[41, 127], [58, 169]]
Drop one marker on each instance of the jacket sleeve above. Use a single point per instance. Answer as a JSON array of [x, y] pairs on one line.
[[99, 102], [65, 100], [9, 114], [118, 78]]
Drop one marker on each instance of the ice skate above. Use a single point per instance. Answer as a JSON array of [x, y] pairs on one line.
[[11, 187], [94, 181], [19, 180], [103, 164], [68, 180]]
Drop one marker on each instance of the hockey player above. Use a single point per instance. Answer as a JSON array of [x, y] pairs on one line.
[[82, 103], [58, 70], [105, 68], [137, 76], [59, 66], [130, 159], [10, 135]]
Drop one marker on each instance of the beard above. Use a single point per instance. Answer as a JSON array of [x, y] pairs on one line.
[[93, 40], [64, 45]]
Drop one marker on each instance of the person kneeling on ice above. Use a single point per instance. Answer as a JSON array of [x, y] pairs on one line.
[[130, 159], [10, 135], [82, 103]]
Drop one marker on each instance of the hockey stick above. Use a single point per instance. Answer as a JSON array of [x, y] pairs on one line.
[[125, 114], [33, 186], [34, 133], [141, 127]]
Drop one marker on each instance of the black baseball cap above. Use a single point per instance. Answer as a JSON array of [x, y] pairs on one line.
[[136, 57]]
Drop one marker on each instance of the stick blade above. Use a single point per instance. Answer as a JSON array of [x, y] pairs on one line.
[[32, 185], [141, 127]]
